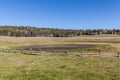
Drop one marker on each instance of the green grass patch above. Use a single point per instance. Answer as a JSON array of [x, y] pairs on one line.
[[29, 67], [106, 48]]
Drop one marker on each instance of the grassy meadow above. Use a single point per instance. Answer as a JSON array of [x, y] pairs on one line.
[[30, 67], [36, 67]]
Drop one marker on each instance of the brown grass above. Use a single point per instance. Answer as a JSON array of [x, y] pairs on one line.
[[6, 42]]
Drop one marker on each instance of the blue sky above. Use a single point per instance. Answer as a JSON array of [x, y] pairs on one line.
[[66, 14]]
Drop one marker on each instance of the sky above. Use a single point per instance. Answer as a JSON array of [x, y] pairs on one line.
[[63, 14]]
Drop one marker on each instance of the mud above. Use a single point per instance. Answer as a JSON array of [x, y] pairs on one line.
[[49, 47]]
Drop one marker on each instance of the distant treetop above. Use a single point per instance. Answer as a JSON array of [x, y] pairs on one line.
[[27, 31]]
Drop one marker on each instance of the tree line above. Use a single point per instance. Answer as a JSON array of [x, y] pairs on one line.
[[27, 31]]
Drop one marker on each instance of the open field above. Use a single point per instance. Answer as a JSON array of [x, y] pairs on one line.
[[30, 67], [36, 67], [107, 42], [6, 42], [110, 44]]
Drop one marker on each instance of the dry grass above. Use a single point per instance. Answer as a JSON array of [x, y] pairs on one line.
[[6, 42]]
